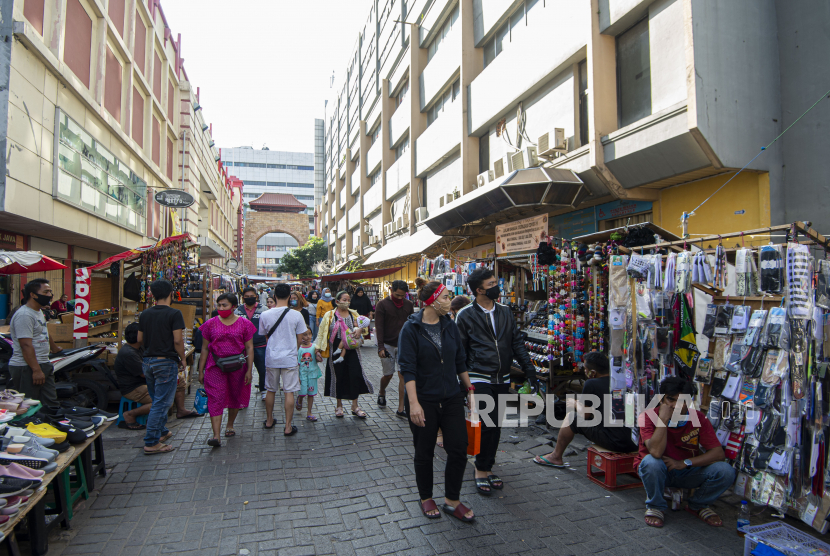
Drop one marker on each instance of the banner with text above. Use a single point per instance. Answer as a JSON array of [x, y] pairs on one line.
[[485, 251], [82, 295], [522, 235]]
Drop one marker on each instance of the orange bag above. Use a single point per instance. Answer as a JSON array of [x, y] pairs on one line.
[[473, 438]]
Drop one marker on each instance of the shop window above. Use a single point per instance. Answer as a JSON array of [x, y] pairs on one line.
[[633, 74], [77, 51], [583, 102], [628, 220]]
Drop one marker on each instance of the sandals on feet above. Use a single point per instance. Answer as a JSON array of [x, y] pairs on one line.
[[483, 486], [429, 506], [310, 417], [163, 449], [230, 432], [265, 424], [338, 412], [495, 482], [167, 436], [359, 413], [439, 442], [214, 442], [542, 460], [707, 515], [298, 405], [654, 515], [294, 430], [131, 426], [459, 512]]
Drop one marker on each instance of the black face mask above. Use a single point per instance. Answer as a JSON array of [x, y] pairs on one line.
[[493, 293], [249, 301], [44, 300]]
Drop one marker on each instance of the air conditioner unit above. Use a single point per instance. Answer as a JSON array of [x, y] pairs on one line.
[[441, 201], [399, 223], [484, 178], [448, 198], [367, 228], [531, 158], [356, 250], [516, 161], [389, 228], [499, 167], [551, 143], [421, 214], [406, 220]]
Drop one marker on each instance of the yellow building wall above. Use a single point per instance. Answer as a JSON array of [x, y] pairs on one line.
[[748, 192]]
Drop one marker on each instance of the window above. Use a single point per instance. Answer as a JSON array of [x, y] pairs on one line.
[[443, 100], [510, 30], [78, 43], [374, 178], [442, 33], [633, 74], [274, 166], [374, 134], [399, 98], [583, 102], [402, 148]]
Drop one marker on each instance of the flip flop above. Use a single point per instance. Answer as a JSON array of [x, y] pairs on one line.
[[547, 463], [459, 512], [165, 449], [311, 418], [167, 436], [294, 430], [190, 415], [214, 442], [265, 424], [131, 426], [705, 515], [230, 432]]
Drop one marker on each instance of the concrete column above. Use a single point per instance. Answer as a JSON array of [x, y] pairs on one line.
[[472, 63], [349, 166], [387, 109], [99, 58], [418, 59], [57, 26], [365, 182]]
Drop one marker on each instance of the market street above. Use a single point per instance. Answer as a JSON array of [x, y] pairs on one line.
[[347, 487]]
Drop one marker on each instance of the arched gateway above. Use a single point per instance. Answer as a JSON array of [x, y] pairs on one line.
[[273, 212]]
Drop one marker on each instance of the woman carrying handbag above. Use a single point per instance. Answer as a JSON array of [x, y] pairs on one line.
[[432, 361], [225, 365]]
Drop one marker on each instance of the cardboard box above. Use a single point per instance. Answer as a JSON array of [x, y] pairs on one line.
[[60, 332], [65, 345]]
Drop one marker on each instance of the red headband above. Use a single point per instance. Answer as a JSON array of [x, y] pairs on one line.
[[434, 296]]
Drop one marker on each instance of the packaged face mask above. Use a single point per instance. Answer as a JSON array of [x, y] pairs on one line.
[[709, 323], [823, 284], [740, 319], [732, 388], [755, 328], [775, 331], [637, 266], [772, 269], [723, 347], [736, 357], [703, 373], [718, 383]]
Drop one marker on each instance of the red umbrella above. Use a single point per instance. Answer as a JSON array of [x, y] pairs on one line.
[[21, 262]]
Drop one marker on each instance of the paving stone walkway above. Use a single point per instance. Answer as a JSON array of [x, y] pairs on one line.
[[347, 487]]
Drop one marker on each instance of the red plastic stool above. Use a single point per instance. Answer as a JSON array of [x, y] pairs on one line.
[[611, 464]]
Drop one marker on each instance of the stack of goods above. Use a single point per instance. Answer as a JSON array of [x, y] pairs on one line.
[[764, 372], [441, 269], [13, 403], [170, 262]]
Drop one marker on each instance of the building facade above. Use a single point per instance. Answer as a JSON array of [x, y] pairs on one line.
[[97, 116], [651, 104]]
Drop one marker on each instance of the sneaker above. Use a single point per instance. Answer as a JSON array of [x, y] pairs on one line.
[[71, 410], [11, 486], [28, 461], [29, 449], [98, 420], [107, 415], [31, 442], [21, 472], [43, 430], [59, 431], [16, 431]]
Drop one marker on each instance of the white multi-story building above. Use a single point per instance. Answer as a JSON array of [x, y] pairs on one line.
[[648, 106], [266, 171]]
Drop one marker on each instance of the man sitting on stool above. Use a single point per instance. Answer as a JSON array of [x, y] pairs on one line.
[[616, 439], [133, 386], [671, 456]]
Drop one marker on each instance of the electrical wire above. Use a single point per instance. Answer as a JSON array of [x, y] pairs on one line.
[[825, 95]]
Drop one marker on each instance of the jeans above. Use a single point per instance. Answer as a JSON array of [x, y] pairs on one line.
[[259, 363], [312, 325], [490, 436], [162, 377], [22, 382], [709, 482], [449, 417]]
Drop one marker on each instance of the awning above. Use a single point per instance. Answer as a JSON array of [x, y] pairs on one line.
[[510, 197], [407, 245], [133, 253], [22, 262], [362, 275]]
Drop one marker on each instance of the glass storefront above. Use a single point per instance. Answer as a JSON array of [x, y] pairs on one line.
[[93, 179]]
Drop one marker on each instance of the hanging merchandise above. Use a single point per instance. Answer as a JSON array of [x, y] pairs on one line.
[[772, 269]]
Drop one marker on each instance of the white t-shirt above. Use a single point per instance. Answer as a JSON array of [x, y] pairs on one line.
[[281, 352]]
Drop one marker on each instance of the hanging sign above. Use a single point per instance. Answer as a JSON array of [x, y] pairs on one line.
[[485, 251], [82, 295], [522, 235], [175, 198]]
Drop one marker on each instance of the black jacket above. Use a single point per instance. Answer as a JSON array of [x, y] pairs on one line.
[[435, 372], [490, 355]]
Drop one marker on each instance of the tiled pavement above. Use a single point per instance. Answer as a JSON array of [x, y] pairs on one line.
[[346, 487]]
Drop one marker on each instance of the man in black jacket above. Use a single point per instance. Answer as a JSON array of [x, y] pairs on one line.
[[491, 341]]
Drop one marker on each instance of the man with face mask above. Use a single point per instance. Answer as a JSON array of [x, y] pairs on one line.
[[29, 365], [491, 341], [251, 309]]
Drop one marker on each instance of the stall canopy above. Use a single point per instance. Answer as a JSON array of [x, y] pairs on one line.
[[133, 253], [21, 262], [362, 275], [407, 245], [542, 189]]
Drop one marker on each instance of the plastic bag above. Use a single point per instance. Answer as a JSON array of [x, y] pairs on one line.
[[200, 403]]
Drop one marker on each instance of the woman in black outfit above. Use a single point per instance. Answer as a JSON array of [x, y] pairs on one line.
[[361, 303], [432, 360]]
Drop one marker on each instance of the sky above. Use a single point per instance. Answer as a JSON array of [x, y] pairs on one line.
[[264, 67]]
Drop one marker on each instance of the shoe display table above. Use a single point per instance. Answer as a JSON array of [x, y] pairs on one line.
[[91, 456]]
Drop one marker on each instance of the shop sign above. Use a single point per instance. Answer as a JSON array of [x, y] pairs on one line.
[[522, 235], [82, 295], [618, 209], [8, 240], [574, 224], [174, 198], [485, 251]]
